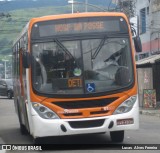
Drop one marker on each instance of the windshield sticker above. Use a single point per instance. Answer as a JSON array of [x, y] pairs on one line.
[[77, 72], [76, 82], [90, 87]]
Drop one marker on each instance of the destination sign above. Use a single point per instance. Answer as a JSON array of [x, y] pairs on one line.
[[85, 26], [79, 26]]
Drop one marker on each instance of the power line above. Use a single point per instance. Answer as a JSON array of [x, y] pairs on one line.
[[128, 7], [13, 20], [11, 30], [109, 5]]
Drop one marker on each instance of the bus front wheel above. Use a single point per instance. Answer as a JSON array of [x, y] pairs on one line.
[[117, 136], [37, 140], [23, 130]]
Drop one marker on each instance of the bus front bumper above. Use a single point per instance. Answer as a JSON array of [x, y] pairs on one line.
[[58, 127]]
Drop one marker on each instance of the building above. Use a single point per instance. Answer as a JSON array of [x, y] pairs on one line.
[[148, 64], [148, 12], [148, 72]]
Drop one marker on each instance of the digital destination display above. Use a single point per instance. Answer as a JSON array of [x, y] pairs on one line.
[[79, 26], [85, 26]]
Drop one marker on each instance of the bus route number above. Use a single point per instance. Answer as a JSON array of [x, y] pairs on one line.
[[76, 82]]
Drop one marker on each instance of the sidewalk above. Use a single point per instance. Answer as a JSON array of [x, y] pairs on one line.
[[150, 111], [1, 143]]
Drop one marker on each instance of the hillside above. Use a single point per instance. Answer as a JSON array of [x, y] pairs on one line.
[[23, 4], [11, 25]]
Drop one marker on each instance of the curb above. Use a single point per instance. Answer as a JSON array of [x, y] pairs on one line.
[[150, 113], [1, 143]]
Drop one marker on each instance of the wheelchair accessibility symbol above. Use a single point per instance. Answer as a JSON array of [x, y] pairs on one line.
[[90, 87]]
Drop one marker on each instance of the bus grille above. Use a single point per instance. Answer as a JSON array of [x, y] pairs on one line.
[[72, 114], [85, 103], [86, 124]]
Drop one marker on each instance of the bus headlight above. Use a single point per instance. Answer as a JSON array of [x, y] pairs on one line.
[[126, 106], [44, 112]]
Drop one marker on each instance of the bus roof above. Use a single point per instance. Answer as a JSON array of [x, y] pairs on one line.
[[76, 15]]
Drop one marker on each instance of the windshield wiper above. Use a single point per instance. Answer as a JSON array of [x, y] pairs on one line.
[[63, 48], [66, 51], [99, 47]]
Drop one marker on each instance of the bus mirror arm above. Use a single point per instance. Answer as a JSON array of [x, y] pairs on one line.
[[26, 60], [137, 44]]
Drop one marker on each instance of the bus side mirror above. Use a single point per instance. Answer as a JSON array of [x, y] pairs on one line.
[[138, 44], [26, 60]]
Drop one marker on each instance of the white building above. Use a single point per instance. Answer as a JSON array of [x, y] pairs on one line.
[[148, 12]]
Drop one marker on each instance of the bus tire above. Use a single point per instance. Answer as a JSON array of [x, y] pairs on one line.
[[23, 130], [117, 136], [37, 141]]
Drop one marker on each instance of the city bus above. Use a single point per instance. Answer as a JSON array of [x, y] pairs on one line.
[[75, 74]]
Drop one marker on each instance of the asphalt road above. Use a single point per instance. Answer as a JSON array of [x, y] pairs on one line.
[[149, 133]]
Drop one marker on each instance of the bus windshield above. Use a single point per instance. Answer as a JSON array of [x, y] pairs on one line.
[[82, 66]]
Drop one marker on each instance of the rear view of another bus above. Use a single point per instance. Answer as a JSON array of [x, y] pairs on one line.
[[78, 76]]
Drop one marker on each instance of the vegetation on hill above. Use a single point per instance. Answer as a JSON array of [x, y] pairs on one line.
[[24, 4], [15, 15], [11, 26], [12, 23]]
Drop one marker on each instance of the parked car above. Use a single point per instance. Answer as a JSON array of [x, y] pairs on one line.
[[6, 88]]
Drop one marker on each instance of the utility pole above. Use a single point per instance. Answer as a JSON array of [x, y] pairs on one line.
[[5, 68], [86, 6], [72, 2], [127, 7]]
